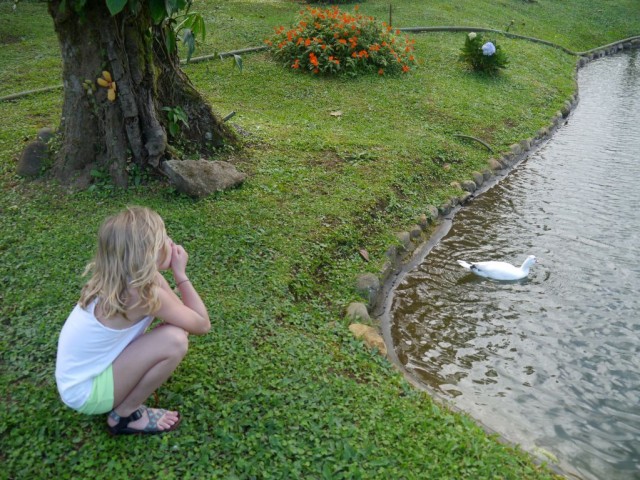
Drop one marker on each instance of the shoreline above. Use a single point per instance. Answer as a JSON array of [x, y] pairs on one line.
[[414, 248]]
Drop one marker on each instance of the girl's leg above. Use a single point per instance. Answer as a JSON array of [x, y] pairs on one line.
[[142, 367]]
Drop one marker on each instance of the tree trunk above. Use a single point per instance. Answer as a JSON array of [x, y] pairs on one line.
[[112, 136]]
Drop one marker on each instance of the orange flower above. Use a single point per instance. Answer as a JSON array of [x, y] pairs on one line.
[[307, 42], [405, 68], [296, 64], [316, 71], [412, 58], [313, 59], [381, 72], [354, 55], [342, 41]]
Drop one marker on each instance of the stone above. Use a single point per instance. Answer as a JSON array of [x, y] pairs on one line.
[[368, 286], [33, 159], [469, 186], [432, 212], [415, 232], [516, 149], [199, 178], [494, 164], [508, 159], [478, 178], [45, 134], [566, 109], [525, 144], [370, 335], [455, 184], [357, 311], [464, 197], [445, 208], [487, 174], [453, 201], [404, 238], [558, 118], [423, 221], [543, 133]]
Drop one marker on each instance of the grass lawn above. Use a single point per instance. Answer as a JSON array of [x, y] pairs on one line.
[[278, 388]]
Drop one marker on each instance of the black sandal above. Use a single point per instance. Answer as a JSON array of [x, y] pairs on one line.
[[121, 427]]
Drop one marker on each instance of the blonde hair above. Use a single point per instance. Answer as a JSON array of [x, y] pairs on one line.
[[130, 244]]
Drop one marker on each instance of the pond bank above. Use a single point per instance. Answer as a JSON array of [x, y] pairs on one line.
[[410, 252]]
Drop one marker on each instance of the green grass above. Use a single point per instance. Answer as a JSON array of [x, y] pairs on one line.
[[278, 389]]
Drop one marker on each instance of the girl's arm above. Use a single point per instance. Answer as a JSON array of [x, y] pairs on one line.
[[189, 313]]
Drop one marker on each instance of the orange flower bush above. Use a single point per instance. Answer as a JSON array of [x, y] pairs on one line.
[[330, 41]]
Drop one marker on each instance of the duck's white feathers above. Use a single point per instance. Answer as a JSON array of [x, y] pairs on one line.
[[499, 270]]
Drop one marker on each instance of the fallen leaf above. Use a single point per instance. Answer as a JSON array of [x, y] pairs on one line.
[[337, 113], [364, 254]]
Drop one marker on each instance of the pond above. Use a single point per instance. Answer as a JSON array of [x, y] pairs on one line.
[[552, 361]]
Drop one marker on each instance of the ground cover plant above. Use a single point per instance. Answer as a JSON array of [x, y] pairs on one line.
[[279, 388]]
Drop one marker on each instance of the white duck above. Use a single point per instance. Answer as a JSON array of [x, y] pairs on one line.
[[500, 270]]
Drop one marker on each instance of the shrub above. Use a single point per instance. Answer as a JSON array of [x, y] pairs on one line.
[[483, 56], [330, 41]]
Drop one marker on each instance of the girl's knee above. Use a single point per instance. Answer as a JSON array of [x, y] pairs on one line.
[[175, 340]]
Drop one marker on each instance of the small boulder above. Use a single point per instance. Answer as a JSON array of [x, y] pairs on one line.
[[464, 198], [370, 336], [404, 239], [445, 209], [199, 178], [33, 159], [469, 186], [415, 232], [357, 311], [478, 178], [368, 285], [494, 164], [45, 134], [432, 213]]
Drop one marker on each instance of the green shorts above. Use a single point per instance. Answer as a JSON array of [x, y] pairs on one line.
[[101, 398]]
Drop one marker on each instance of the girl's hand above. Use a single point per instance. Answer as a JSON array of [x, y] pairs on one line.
[[179, 259]]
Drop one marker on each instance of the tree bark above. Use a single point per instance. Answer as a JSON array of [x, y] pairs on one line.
[[111, 136]]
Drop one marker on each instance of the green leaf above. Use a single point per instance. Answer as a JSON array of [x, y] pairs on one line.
[[190, 42], [157, 11], [171, 6], [199, 27], [170, 40], [116, 6], [237, 61]]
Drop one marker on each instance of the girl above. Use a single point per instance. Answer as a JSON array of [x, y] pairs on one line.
[[106, 362]]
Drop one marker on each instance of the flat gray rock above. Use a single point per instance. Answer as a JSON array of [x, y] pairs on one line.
[[199, 178]]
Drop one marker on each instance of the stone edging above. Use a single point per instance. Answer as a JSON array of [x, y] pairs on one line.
[[414, 245]]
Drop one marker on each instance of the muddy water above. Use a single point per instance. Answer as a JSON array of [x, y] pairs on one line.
[[554, 360]]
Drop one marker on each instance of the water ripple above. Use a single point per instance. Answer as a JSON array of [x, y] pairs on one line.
[[553, 359]]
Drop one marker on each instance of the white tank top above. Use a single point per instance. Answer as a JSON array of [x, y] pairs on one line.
[[85, 349]]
